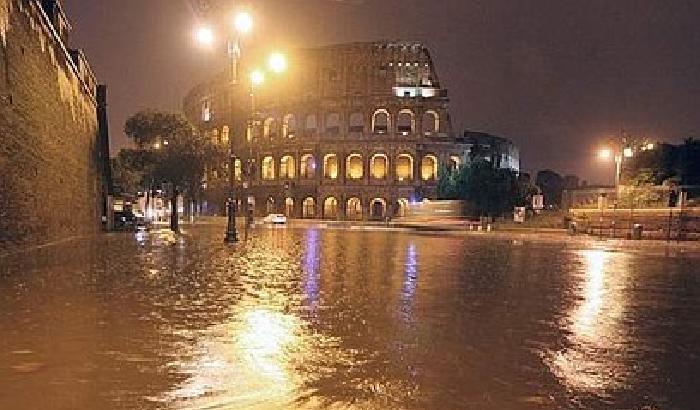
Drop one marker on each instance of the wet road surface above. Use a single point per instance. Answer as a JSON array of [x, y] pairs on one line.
[[334, 319]]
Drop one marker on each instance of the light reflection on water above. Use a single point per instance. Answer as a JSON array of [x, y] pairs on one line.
[[321, 319], [595, 359]]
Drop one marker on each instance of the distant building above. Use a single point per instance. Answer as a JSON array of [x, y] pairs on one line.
[[353, 131], [53, 155], [501, 152]]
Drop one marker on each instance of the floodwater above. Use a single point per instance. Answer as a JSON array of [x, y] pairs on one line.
[[337, 319]]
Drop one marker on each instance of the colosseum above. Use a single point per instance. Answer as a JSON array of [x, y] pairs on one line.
[[350, 132]]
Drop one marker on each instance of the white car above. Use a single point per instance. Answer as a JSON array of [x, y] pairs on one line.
[[276, 219]]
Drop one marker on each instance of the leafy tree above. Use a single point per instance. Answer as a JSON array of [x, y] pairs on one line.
[[552, 186], [488, 190], [641, 191], [174, 153], [130, 171]]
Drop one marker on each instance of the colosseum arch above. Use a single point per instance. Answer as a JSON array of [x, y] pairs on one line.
[[237, 169], [287, 167], [289, 126], [331, 167], [406, 122], [269, 128], [308, 166], [356, 122], [381, 121], [354, 165], [354, 209], [455, 162], [377, 208], [267, 170], [332, 125], [379, 166], [404, 167], [311, 122], [225, 133], [401, 207], [270, 206], [330, 208], [429, 168], [430, 122], [289, 207], [308, 208]]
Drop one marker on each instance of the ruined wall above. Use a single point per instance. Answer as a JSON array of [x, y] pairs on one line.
[[51, 186]]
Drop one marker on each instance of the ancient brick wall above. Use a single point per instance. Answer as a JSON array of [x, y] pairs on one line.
[[50, 172]]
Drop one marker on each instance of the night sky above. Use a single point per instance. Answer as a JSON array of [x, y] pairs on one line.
[[556, 76]]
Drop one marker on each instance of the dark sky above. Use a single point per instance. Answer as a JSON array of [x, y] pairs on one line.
[[556, 76]]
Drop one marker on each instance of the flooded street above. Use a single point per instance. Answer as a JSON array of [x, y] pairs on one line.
[[337, 319]]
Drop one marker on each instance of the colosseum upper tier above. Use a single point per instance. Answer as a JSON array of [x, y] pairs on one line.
[[349, 132]]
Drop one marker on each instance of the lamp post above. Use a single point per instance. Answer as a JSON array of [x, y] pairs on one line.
[[243, 24]]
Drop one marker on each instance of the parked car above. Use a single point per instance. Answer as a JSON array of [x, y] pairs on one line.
[[276, 219]]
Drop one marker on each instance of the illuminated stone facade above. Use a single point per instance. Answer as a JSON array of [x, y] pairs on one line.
[[52, 160], [350, 132]]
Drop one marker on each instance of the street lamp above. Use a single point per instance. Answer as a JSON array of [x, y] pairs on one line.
[[243, 22], [277, 62], [205, 36]]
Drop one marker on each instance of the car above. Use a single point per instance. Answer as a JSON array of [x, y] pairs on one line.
[[276, 219]]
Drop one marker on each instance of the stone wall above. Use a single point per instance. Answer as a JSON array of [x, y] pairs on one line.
[[51, 185]]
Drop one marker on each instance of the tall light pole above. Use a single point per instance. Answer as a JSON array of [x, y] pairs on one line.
[[242, 24]]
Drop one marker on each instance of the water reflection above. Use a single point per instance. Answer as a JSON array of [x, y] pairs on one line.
[[597, 356], [410, 282], [330, 319]]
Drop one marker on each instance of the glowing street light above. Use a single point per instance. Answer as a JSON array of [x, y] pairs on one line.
[[605, 153], [257, 78], [627, 152], [205, 36], [243, 22], [277, 62]]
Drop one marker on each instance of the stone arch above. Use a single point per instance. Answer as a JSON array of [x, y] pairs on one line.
[[289, 207], [454, 162], [267, 168], [402, 207], [289, 126], [430, 122], [406, 122], [311, 122], [354, 209], [330, 208], [429, 168], [308, 166], [237, 169], [287, 167], [381, 121], [377, 208], [356, 122], [379, 166], [331, 166], [332, 123], [270, 206], [269, 127], [225, 132], [404, 167], [355, 167], [308, 210]]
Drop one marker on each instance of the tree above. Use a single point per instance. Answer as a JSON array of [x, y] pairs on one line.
[[488, 190], [552, 186], [130, 171], [174, 153]]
